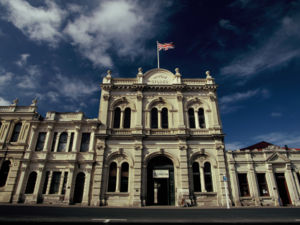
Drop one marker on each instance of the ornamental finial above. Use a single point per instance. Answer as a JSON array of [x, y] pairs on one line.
[[207, 74], [34, 102], [140, 71], [108, 73], [177, 70], [15, 102]]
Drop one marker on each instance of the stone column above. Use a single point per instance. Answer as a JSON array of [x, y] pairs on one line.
[[76, 146], [61, 182], [103, 109], [272, 184], [49, 182], [159, 119], [18, 195], [118, 178], [139, 111], [92, 140], [86, 191], [253, 184], [292, 186], [56, 141], [203, 189], [33, 138], [180, 112], [48, 139], [296, 181], [184, 173], [38, 184], [137, 175], [234, 184], [122, 119]]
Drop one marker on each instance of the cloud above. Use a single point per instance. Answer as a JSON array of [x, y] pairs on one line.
[[4, 102], [229, 103], [31, 79], [280, 138], [276, 114], [234, 145], [38, 23], [227, 25], [23, 60], [71, 88], [284, 42], [5, 77]]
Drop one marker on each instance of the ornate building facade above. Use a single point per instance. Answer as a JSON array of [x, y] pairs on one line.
[[158, 140]]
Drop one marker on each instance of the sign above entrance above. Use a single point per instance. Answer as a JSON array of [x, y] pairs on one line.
[[160, 173]]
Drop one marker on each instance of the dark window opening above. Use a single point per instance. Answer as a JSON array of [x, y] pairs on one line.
[[117, 117], [164, 118], [85, 142], [63, 190], [16, 132], [30, 183], [191, 118], [46, 182], [62, 144], [71, 142], [4, 172], [124, 177], [127, 115], [243, 182], [54, 188], [154, 118], [208, 177], [40, 141], [53, 141], [201, 118], [112, 177], [262, 184], [196, 177]]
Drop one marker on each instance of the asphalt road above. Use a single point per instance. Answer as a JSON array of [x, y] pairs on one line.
[[74, 214]]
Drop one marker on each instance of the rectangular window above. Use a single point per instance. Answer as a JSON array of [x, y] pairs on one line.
[[262, 184], [71, 142], [55, 183], [53, 141], [243, 182], [40, 141], [85, 142], [46, 182], [63, 191]]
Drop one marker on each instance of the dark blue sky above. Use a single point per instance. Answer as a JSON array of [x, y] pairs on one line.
[[59, 51]]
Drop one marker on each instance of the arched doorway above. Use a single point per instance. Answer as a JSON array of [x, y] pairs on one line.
[[79, 187], [160, 181]]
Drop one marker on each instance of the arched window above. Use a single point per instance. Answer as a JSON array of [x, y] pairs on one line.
[[62, 144], [30, 183], [40, 141], [112, 177], [124, 177], [154, 118], [207, 177], [4, 172], [127, 115], [191, 118], [16, 132], [201, 118], [164, 118], [196, 177], [117, 117]]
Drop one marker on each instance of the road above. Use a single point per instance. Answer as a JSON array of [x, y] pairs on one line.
[[76, 214]]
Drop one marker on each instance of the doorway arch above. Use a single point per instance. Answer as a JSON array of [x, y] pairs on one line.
[[160, 181], [79, 187]]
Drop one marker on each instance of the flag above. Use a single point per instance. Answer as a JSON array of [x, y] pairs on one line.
[[165, 46]]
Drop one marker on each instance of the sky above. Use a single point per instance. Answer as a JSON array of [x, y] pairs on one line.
[[58, 51]]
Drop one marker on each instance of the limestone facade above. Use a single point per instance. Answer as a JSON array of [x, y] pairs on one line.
[[158, 140]]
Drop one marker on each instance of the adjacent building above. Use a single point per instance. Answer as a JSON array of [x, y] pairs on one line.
[[158, 140]]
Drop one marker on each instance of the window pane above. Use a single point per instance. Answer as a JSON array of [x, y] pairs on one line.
[[154, 118], [164, 118], [207, 177], [112, 177], [127, 115], [4, 172], [85, 142], [63, 191], [46, 182], [71, 142], [16, 132], [201, 118], [62, 144], [53, 142], [124, 177], [117, 117], [191, 118], [196, 177], [243, 182], [41, 141], [31, 183], [55, 183], [262, 184]]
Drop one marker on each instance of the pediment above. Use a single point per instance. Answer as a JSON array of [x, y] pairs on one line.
[[277, 158], [159, 77]]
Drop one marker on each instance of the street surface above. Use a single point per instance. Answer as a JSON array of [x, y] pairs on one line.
[[76, 214]]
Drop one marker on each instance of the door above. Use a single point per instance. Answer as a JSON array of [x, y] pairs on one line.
[[79, 187], [282, 189]]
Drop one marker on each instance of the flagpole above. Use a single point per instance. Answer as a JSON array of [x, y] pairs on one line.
[[157, 54]]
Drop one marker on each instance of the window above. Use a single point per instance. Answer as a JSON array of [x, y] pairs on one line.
[[16, 132], [262, 184], [4, 172], [127, 118], [112, 177], [53, 142], [63, 190], [30, 183], [124, 177], [85, 142], [191, 118], [46, 182], [117, 117], [164, 118], [71, 142], [201, 118], [207, 177], [154, 118], [243, 182], [40, 141], [196, 177], [62, 144], [55, 183]]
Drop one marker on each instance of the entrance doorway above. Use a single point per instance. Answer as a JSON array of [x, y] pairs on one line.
[[282, 189], [160, 181], [79, 186]]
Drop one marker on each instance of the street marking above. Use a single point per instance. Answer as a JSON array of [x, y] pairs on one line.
[[107, 220]]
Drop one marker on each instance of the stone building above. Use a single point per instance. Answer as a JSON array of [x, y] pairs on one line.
[[158, 140]]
